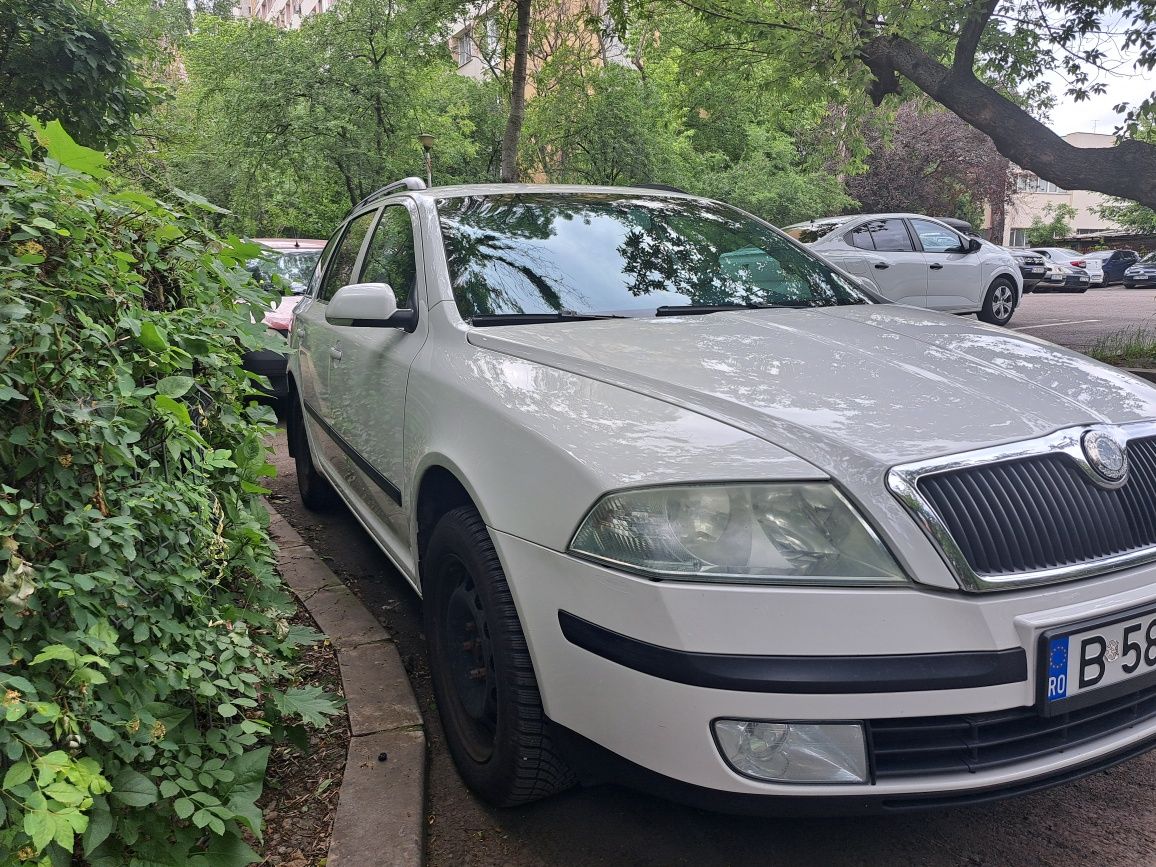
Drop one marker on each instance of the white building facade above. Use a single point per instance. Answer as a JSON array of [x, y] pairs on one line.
[[283, 13]]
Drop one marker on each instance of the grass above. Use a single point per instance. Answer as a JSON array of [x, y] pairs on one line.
[[1132, 347]]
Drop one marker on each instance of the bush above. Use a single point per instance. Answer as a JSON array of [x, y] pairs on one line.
[[146, 653]]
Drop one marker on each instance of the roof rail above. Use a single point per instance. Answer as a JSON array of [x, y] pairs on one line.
[[403, 184], [665, 188]]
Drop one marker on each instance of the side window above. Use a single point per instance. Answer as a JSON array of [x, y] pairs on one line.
[[890, 236], [341, 263], [860, 237], [390, 257], [935, 238]]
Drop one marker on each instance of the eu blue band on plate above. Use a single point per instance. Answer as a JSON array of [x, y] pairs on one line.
[[1058, 668]]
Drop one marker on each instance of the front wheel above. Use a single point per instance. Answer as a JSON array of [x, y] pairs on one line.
[[482, 674], [1000, 302]]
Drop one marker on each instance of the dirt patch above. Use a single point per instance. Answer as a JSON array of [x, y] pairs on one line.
[[301, 788]]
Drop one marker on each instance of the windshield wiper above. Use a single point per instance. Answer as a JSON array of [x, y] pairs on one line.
[[700, 309], [486, 319]]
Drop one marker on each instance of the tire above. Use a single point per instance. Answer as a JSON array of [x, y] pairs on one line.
[[482, 674], [1000, 302], [317, 494]]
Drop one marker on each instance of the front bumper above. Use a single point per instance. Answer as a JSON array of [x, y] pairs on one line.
[[1131, 281], [842, 654]]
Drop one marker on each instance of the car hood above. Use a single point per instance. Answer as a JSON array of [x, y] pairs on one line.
[[839, 385]]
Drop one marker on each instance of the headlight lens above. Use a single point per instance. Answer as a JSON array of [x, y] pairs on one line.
[[791, 532]]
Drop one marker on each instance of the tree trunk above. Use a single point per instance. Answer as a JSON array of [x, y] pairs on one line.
[[513, 134], [1127, 170]]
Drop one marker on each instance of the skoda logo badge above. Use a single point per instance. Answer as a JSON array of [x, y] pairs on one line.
[[1106, 456]]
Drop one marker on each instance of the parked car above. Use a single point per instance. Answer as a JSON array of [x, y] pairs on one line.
[[291, 261], [1063, 278], [1143, 273], [1114, 263], [688, 508], [1033, 267], [921, 261], [1064, 256]]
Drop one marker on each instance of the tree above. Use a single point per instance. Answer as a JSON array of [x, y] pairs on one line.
[[1058, 225], [969, 57], [59, 60], [509, 170], [925, 159], [290, 128]]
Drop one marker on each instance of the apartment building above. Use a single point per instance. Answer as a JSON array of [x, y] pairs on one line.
[[284, 13], [1033, 197], [476, 38]]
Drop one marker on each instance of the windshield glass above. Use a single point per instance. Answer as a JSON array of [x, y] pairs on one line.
[[612, 254], [1151, 257]]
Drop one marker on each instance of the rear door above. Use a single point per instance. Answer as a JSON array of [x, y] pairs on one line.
[[889, 258], [954, 276], [320, 353]]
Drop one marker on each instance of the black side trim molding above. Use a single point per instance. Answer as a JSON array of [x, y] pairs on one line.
[[390, 489], [812, 675]]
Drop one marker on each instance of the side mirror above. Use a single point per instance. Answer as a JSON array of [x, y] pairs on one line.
[[368, 305], [974, 245]]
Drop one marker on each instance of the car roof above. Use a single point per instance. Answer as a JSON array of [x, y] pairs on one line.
[[292, 245], [461, 190]]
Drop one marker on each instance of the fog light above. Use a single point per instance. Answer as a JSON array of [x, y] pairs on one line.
[[794, 752]]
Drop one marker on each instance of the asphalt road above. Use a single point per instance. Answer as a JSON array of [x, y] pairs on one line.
[[1108, 819], [1079, 320]]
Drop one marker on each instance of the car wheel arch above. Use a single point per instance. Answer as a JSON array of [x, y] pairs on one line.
[[441, 487]]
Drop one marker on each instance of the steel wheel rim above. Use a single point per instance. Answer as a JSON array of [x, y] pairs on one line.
[[468, 652]]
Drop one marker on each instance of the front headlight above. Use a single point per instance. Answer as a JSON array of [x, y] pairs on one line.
[[775, 533]]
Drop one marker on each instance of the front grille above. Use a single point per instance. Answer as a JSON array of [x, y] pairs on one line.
[[1042, 512], [977, 742]]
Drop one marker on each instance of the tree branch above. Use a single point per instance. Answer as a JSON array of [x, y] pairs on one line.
[[970, 34]]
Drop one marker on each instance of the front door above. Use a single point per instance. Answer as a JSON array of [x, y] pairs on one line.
[[370, 399], [954, 276]]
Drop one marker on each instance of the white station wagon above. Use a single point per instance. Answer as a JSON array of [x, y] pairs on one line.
[[690, 509]]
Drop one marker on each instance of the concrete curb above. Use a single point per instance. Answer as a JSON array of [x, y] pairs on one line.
[[381, 806]]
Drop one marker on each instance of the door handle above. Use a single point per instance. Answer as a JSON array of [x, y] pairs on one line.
[[936, 267], [335, 353], [882, 266]]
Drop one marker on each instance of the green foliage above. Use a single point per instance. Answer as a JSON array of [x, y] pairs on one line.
[[145, 650], [58, 59], [289, 128], [1057, 225]]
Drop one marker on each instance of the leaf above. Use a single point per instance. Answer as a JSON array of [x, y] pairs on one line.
[[21, 772], [309, 703], [175, 386], [169, 789], [57, 651], [40, 826], [202, 202], [134, 789], [174, 409], [228, 850], [61, 147], [184, 808], [100, 825], [152, 337]]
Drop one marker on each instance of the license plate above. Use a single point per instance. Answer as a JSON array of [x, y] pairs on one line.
[[1094, 661], [1037, 270]]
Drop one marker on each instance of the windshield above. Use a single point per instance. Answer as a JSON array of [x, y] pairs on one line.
[[1151, 257], [589, 253]]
